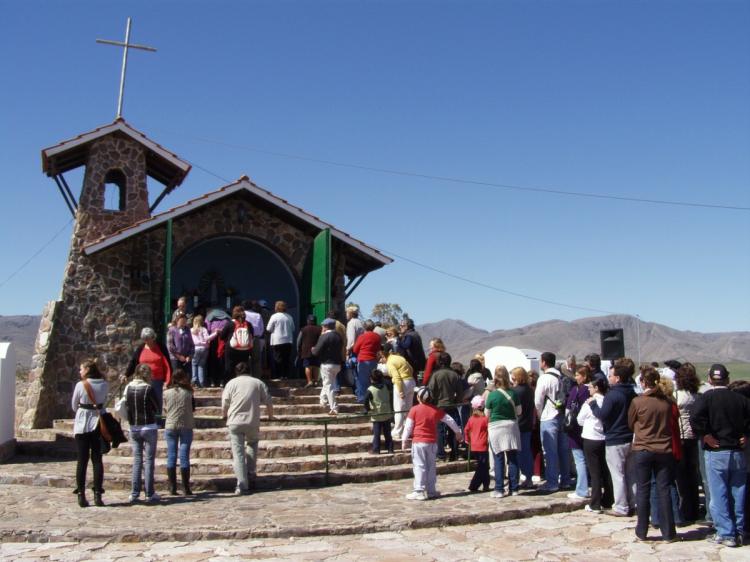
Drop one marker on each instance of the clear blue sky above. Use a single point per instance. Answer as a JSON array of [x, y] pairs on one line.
[[635, 99]]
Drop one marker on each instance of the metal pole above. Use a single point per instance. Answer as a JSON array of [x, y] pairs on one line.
[[62, 192], [325, 448], [67, 189], [124, 67]]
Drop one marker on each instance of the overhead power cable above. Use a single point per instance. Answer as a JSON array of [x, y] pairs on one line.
[[466, 181], [465, 279], [35, 254], [498, 289]]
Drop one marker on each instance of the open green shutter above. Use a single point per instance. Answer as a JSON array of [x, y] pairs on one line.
[[320, 283]]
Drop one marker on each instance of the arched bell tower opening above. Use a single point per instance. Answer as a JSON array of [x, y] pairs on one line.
[[115, 190]]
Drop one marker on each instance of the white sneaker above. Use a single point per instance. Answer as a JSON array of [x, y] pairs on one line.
[[132, 498], [516, 493], [574, 496], [496, 494], [416, 495], [591, 510]]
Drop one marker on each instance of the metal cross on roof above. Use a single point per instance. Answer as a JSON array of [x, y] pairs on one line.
[[126, 45]]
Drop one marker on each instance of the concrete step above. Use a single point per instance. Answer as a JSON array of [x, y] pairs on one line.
[[282, 410], [267, 449], [214, 443], [287, 465], [267, 433], [61, 474], [276, 391], [215, 422], [215, 401]]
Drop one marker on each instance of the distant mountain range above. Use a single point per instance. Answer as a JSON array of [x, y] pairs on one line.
[[20, 331], [658, 342], [580, 337]]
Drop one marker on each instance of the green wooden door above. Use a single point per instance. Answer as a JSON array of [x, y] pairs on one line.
[[320, 282]]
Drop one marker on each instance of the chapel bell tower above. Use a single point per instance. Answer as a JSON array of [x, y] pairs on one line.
[[117, 159]]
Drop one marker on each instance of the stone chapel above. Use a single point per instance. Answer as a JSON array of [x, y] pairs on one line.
[[127, 266]]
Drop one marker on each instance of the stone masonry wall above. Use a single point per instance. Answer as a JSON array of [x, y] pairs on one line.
[[239, 216], [108, 297], [100, 315], [106, 154], [103, 303]]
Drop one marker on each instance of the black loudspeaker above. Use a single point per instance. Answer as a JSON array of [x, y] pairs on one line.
[[613, 344]]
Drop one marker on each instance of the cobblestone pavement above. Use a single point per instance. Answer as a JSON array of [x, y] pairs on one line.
[[40, 513], [579, 536], [349, 522]]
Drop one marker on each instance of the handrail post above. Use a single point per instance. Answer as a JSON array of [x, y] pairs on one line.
[[325, 448]]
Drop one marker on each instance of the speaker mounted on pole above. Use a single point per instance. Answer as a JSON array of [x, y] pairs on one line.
[[612, 344]]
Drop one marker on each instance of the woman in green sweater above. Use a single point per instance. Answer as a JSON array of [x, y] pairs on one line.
[[502, 407]]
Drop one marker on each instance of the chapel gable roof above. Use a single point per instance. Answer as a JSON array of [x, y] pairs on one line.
[[164, 166], [364, 258]]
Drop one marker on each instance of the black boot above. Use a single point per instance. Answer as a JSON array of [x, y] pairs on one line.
[[172, 477], [98, 498], [82, 502], [185, 473]]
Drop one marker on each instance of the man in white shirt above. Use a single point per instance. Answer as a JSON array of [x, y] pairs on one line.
[[550, 405], [240, 406]]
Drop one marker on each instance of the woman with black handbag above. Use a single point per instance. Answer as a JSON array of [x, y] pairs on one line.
[[88, 401]]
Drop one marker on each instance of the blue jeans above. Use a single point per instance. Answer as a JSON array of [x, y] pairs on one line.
[[500, 471], [727, 479], [143, 440], [158, 389], [704, 479], [364, 368], [182, 438], [526, 457], [582, 480], [556, 454], [199, 366], [674, 499]]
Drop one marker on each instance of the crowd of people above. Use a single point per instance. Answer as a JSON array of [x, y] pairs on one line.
[[640, 440]]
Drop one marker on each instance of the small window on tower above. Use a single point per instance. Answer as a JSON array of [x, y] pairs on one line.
[[114, 191]]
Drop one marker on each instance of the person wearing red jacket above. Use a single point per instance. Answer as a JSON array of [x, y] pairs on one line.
[[366, 348], [436, 348]]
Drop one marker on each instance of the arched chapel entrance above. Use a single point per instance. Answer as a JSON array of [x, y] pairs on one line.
[[235, 268]]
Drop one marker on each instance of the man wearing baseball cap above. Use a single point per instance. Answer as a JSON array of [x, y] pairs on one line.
[[721, 419]]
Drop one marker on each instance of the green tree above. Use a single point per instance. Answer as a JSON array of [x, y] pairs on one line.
[[387, 313]]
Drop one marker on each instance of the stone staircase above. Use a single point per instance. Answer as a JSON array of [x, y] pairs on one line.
[[291, 453]]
